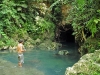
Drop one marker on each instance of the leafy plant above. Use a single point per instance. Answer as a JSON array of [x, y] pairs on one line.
[[18, 20], [85, 18], [11, 19]]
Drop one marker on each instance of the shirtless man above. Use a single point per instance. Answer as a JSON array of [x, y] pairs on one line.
[[20, 50]]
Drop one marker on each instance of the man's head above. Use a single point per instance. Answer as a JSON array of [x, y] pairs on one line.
[[21, 41]]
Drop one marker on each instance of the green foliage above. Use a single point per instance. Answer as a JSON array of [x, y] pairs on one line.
[[18, 20], [6, 41], [12, 19], [80, 4], [55, 3], [40, 22], [90, 45], [56, 10], [44, 25], [85, 18], [91, 25]]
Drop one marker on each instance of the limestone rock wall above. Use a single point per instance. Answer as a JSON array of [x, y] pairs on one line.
[[88, 64]]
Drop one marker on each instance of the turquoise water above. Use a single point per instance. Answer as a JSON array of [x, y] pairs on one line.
[[46, 61]]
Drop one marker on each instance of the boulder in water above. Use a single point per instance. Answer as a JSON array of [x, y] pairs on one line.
[[63, 52]]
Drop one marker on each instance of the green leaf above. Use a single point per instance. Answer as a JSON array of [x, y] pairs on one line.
[[96, 21], [19, 9], [80, 3], [98, 11], [23, 16], [22, 5]]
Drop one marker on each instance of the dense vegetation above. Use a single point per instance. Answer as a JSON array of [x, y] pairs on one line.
[[24, 19], [85, 17], [38, 18]]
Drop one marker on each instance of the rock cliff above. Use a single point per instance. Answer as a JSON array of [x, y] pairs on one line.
[[88, 64]]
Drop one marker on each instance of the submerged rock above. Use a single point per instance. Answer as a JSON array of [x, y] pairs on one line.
[[63, 52]]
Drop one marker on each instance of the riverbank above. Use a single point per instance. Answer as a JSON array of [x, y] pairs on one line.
[[8, 68]]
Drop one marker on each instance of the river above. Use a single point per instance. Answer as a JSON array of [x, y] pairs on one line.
[[46, 61]]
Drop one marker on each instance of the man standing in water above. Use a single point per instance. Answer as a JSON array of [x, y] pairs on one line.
[[20, 50]]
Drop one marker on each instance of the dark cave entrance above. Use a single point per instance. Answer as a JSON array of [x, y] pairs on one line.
[[64, 34], [67, 36]]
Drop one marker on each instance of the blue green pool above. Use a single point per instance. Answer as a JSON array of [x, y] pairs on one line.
[[46, 61]]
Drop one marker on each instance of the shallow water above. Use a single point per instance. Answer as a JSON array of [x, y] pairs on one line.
[[47, 61]]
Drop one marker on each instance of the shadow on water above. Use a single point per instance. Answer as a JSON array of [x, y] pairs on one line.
[[47, 61]]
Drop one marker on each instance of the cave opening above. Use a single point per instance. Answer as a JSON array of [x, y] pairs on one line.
[[65, 34]]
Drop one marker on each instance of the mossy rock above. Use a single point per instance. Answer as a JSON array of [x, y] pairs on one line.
[[90, 45]]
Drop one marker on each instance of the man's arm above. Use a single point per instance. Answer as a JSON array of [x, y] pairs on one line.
[[23, 48]]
